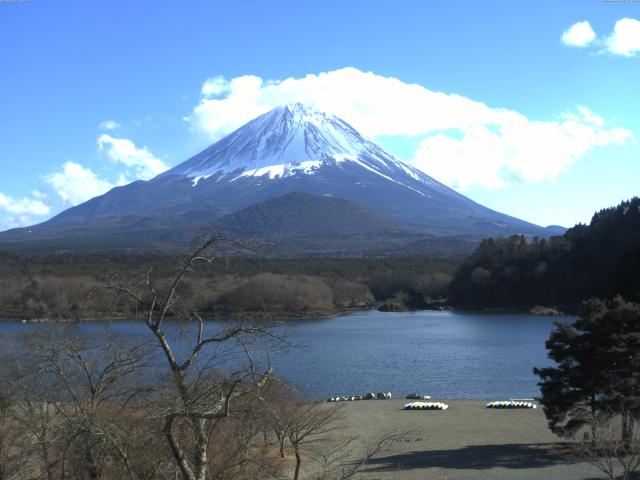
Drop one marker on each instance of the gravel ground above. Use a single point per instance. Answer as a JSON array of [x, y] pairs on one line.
[[467, 441]]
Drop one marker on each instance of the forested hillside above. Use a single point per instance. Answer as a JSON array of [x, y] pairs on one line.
[[601, 259], [55, 286]]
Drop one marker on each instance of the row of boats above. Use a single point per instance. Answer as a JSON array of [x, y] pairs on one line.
[[512, 404], [376, 396], [426, 406], [368, 396], [496, 404]]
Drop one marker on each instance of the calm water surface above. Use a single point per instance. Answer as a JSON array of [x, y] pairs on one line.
[[444, 354]]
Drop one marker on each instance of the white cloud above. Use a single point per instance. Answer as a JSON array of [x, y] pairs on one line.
[[39, 194], [590, 117], [374, 104], [214, 86], [21, 212], [121, 150], [109, 125], [579, 35], [76, 184], [23, 206], [520, 150], [625, 39], [16, 221], [470, 143]]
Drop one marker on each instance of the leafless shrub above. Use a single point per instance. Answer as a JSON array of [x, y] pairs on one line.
[[77, 397], [605, 448], [12, 439], [343, 457]]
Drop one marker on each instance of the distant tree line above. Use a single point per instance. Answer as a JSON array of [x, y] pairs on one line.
[[596, 260], [55, 286]]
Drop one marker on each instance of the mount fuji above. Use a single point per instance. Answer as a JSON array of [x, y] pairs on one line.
[[289, 164]]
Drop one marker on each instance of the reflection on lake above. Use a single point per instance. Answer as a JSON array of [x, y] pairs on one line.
[[444, 354]]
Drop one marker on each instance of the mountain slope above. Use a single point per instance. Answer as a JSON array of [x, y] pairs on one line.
[[298, 214], [292, 148]]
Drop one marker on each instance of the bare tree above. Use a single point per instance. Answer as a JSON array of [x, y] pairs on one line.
[[199, 401], [346, 457], [76, 398], [308, 424], [237, 451], [12, 439], [315, 431], [611, 450], [35, 414], [279, 400]]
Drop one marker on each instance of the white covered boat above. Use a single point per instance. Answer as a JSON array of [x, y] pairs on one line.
[[426, 406]]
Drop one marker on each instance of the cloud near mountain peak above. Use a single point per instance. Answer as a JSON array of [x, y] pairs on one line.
[[467, 143]]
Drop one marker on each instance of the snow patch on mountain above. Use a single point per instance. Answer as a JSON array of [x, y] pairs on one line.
[[283, 170], [295, 139]]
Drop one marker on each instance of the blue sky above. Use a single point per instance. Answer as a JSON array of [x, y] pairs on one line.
[[504, 101]]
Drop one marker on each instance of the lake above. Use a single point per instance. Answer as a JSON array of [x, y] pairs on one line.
[[447, 355]]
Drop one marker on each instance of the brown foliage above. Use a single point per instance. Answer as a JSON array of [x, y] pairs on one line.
[[55, 286], [268, 292]]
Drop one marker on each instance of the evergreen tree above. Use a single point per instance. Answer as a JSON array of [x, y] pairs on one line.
[[619, 325], [597, 368], [573, 392]]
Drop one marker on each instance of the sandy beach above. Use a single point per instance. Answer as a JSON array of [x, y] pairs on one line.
[[467, 441]]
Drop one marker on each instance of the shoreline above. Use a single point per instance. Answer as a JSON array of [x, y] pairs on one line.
[[251, 316], [284, 316]]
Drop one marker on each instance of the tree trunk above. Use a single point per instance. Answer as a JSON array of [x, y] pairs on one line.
[[93, 469], [178, 454], [47, 463], [594, 421], [202, 442], [298, 463], [627, 427]]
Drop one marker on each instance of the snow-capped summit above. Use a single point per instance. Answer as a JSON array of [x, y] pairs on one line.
[[293, 139]]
